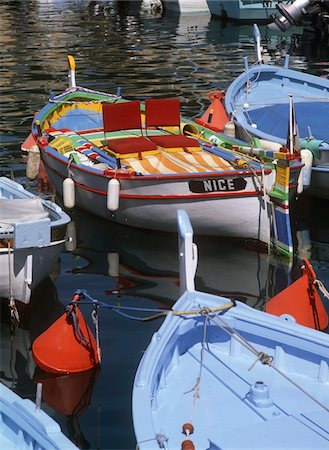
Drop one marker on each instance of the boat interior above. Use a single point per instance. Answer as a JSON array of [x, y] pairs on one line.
[[145, 138]]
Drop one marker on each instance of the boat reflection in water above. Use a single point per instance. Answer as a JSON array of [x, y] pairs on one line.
[[66, 397], [144, 263]]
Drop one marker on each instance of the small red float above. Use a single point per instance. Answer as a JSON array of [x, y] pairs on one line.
[[215, 116], [301, 300], [68, 345]]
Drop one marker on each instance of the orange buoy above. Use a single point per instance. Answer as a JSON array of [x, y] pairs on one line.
[[215, 116], [67, 346], [301, 300]]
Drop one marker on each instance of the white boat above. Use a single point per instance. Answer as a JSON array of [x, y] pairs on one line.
[[32, 232], [244, 10], [25, 426], [136, 164]]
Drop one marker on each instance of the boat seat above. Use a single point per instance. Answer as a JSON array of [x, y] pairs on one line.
[[166, 113], [121, 117]]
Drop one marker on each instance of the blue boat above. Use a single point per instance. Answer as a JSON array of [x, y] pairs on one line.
[[221, 375], [258, 103], [24, 426]]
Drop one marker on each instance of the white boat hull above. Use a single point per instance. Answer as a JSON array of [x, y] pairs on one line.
[[153, 203], [23, 269], [242, 11]]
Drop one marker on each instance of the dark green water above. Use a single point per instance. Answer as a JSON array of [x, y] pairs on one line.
[[116, 44]]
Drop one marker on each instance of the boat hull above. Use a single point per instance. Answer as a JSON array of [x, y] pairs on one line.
[[23, 269], [238, 10], [152, 202], [223, 407], [32, 234]]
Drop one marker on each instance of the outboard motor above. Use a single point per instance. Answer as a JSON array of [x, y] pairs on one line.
[[293, 14]]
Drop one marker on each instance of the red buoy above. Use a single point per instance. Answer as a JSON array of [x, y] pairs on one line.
[[301, 300], [67, 346], [215, 116]]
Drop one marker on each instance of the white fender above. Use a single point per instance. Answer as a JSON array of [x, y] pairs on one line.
[[304, 179], [68, 193], [113, 264], [113, 193], [229, 129], [33, 163], [269, 145], [71, 237]]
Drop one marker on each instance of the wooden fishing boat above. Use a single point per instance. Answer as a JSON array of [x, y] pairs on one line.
[[26, 426], [258, 103], [135, 164], [32, 233], [220, 374], [244, 10]]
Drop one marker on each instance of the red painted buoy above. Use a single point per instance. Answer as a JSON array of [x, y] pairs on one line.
[[67, 346], [215, 116], [301, 300]]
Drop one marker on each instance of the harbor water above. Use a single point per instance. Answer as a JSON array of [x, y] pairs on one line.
[[121, 45]]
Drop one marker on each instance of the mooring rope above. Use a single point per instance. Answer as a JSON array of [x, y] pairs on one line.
[[317, 283]]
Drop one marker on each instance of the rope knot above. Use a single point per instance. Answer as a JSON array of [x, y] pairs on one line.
[[264, 358], [205, 311]]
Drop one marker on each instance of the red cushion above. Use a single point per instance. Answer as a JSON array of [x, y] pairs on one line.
[[130, 145], [174, 140]]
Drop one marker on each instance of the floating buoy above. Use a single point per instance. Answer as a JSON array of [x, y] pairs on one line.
[[67, 346], [71, 237], [33, 163], [68, 193], [229, 129], [113, 193], [301, 300], [304, 179], [215, 116], [113, 264]]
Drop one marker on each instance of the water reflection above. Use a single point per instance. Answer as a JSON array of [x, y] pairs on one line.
[[145, 263]]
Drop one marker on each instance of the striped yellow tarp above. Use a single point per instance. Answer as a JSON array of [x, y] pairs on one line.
[[180, 162]]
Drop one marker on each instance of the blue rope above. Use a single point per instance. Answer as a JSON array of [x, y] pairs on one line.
[[85, 299], [76, 326]]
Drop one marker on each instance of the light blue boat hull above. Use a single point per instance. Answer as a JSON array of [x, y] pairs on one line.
[[208, 372], [24, 427], [258, 102]]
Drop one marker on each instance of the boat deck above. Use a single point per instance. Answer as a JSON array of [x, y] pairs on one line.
[[225, 415], [160, 161]]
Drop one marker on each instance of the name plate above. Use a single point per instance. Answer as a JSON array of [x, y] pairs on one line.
[[217, 185]]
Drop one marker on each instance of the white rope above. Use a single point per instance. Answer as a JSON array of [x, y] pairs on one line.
[[95, 318], [321, 288]]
